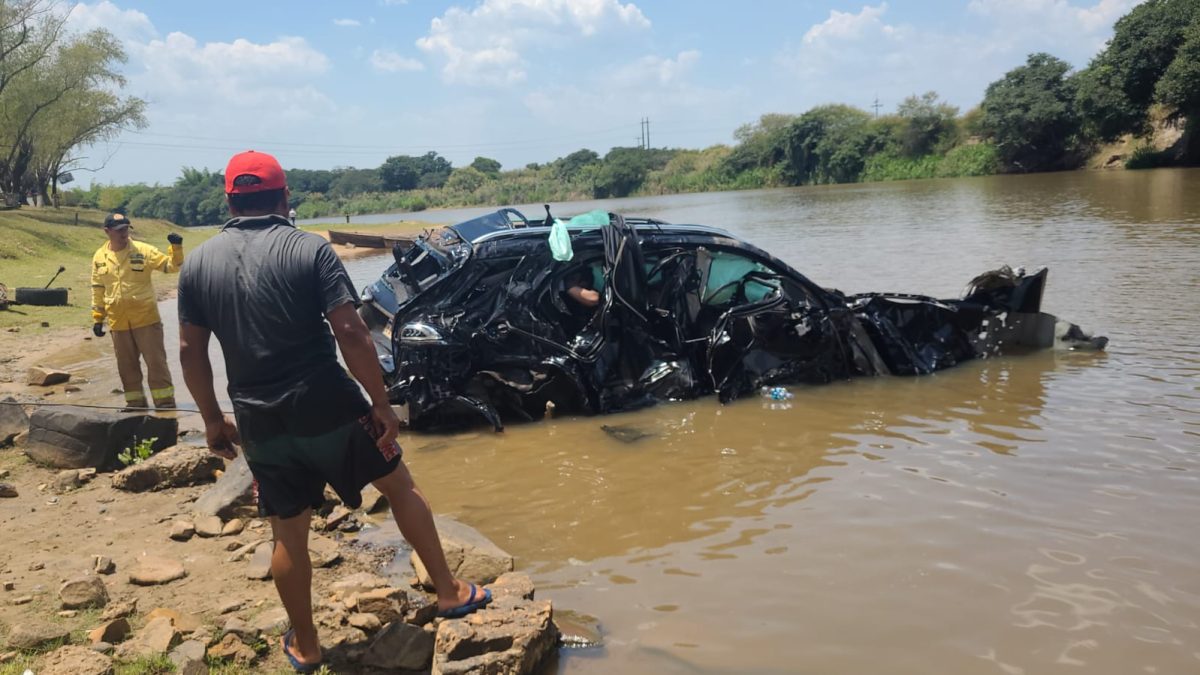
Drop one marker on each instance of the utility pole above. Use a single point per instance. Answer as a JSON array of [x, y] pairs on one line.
[[877, 106], [646, 121]]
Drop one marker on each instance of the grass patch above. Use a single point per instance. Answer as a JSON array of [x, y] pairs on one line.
[[159, 664]]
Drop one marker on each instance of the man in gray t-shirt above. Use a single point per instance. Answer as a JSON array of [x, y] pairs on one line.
[[279, 300]]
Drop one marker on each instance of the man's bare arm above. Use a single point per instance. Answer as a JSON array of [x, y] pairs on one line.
[[198, 374], [354, 339]]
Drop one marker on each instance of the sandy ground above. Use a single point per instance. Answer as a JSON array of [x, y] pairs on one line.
[[50, 538]]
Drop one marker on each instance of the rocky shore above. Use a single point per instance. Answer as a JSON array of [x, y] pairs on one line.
[[165, 564]]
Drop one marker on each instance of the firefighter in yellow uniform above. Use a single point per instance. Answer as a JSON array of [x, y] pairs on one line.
[[123, 293]]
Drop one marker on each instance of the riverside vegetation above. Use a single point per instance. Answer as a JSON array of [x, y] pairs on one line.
[[1040, 116]]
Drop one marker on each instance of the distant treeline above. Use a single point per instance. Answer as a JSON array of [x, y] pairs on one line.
[[1040, 116]]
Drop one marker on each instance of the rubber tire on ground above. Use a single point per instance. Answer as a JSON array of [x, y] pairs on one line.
[[45, 297]]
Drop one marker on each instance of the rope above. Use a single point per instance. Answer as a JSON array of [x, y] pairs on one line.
[[106, 407]]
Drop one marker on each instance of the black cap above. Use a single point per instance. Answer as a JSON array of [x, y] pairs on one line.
[[116, 221]]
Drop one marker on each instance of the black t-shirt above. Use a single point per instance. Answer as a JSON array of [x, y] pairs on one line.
[[264, 288]]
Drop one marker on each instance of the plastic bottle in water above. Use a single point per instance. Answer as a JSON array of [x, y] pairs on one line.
[[776, 398], [776, 393]]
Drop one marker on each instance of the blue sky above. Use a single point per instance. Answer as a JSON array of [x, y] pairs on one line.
[[350, 83]]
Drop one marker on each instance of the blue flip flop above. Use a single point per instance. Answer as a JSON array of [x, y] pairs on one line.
[[469, 606], [296, 664]]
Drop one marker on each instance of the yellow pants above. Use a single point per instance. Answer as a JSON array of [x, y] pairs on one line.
[[145, 343]]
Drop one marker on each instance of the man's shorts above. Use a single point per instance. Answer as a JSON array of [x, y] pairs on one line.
[[290, 472]]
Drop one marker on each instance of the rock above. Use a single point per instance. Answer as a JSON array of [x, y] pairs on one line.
[[182, 530], [373, 500], [239, 554], [422, 609], [10, 586], [70, 437], [119, 610], [72, 660], [71, 389], [400, 646], [9, 491], [471, 556], [184, 623], [366, 622], [69, 613], [509, 636], [209, 526], [244, 631], [230, 606], [230, 648], [512, 585], [359, 582], [21, 439], [188, 658], [323, 551], [41, 376], [156, 638], [83, 592], [111, 632], [272, 622], [233, 528], [13, 420], [233, 489], [388, 604], [65, 481], [23, 600], [336, 517], [86, 475], [260, 563], [151, 571], [178, 466], [103, 564], [102, 647], [35, 566], [33, 635]]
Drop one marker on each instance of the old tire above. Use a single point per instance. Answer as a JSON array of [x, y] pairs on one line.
[[45, 297]]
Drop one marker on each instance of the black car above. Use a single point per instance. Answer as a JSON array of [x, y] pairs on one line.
[[480, 319]]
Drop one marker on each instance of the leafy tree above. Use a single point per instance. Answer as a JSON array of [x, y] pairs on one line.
[[55, 95], [1030, 116], [828, 144], [351, 181], [568, 168], [406, 172], [625, 169], [487, 166], [1179, 86], [760, 144], [466, 179], [929, 124], [310, 180], [1115, 92]]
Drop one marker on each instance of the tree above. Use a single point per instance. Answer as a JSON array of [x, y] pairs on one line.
[[351, 181], [929, 125], [828, 144], [466, 179], [1029, 114], [1179, 87], [487, 166], [405, 172], [568, 168], [56, 95], [1115, 92], [625, 169], [760, 144]]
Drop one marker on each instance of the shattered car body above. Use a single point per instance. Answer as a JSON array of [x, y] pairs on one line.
[[477, 320]]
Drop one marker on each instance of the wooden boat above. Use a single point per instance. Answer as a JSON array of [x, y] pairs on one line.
[[365, 240]]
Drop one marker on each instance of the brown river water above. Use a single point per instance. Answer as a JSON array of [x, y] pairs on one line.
[[1025, 514]]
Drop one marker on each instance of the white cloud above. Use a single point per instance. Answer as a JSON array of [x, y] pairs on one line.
[[347, 23], [847, 26], [655, 70], [485, 45], [1060, 13], [126, 24], [388, 61]]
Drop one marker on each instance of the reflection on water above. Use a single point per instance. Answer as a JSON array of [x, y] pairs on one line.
[[1027, 514]]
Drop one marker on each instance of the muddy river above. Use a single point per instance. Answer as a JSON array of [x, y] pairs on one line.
[[1031, 514]]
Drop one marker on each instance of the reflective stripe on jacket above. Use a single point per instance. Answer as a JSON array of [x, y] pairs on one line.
[[122, 290]]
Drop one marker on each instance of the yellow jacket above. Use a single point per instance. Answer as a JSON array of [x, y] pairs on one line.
[[121, 286]]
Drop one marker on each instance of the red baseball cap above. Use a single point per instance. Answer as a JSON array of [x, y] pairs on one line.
[[252, 171]]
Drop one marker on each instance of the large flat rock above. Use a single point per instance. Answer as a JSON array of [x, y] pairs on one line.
[[470, 555], [233, 489], [71, 437], [178, 466]]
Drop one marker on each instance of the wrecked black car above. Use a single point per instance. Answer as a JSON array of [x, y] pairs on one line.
[[481, 319]]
